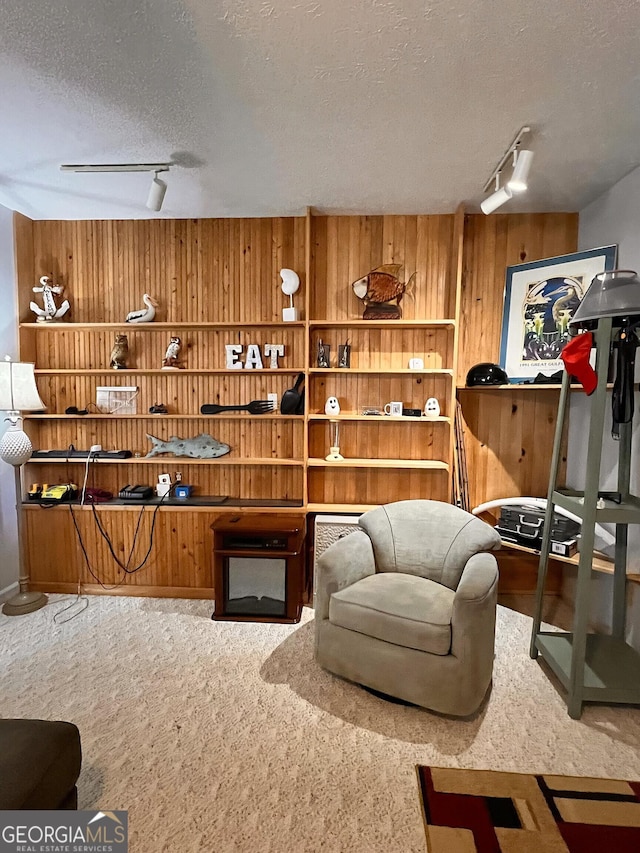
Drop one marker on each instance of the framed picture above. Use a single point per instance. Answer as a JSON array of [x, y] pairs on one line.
[[539, 300]]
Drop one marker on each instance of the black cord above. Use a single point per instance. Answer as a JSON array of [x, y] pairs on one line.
[[124, 566], [86, 556], [105, 536]]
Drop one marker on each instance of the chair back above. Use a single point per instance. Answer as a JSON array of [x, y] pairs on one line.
[[427, 538]]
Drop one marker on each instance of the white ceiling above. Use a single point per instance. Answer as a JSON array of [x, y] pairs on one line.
[[350, 106]]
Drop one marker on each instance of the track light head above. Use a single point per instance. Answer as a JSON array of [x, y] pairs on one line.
[[518, 181], [496, 200], [156, 193]]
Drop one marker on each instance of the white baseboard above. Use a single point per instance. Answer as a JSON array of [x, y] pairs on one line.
[[9, 591]]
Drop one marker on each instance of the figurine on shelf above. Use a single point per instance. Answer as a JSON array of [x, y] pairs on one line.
[[120, 353], [201, 446], [172, 355], [432, 408], [323, 356], [378, 288], [344, 354], [144, 315], [49, 313], [290, 284], [332, 406]]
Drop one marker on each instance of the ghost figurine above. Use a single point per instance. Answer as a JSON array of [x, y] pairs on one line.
[[432, 408], [290, 284], [332, 406]]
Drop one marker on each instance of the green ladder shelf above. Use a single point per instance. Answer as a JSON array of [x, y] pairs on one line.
[[591, 667]]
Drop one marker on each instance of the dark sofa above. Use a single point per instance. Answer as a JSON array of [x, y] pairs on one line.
[[39, 764]]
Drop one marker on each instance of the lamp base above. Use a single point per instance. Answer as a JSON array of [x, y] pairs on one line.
[[24, 602]]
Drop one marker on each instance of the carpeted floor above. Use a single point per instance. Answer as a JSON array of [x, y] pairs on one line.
[[224, 737]]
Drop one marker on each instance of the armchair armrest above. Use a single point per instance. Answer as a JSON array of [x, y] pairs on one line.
[[343, 563], [474, 606]]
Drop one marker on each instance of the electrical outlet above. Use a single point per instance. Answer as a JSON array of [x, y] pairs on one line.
[[178, 477], [273, 398]]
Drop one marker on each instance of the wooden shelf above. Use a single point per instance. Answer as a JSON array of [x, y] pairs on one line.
[[162, 326], [353, 508], [157, 371], [164, 460], [383, 324], [380, 371], [520, 386], [600, 563], [230, 505], [346, 416], [222, 416], [381, 463]]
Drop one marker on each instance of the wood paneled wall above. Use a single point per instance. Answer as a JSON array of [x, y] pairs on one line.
[[491, 244], [202, 349], [508, 434], [345, 248], [201, 270], [180, 558]]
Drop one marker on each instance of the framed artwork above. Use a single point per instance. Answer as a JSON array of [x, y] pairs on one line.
[[539, 300]]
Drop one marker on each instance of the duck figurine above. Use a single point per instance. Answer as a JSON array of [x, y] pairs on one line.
[[144, 315]]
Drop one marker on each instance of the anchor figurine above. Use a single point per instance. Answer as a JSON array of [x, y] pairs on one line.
[[49, 313]]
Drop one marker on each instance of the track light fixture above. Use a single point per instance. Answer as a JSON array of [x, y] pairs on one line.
[[497, 199], [156, 191], [521, 166], [517, 183]]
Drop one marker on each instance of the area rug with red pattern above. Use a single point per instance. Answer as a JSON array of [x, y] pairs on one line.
[[486, 811]]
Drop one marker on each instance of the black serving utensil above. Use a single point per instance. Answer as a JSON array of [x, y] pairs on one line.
[[255, 407]]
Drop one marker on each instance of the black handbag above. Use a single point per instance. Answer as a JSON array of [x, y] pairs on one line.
[[292, 402]]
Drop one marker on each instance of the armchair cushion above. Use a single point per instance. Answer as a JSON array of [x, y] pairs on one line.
[[426, 538], [405, 610]]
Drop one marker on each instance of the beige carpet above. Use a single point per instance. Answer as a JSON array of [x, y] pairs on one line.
[[227, 737]]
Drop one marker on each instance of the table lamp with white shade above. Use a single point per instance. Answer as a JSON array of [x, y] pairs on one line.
[[18, 393]]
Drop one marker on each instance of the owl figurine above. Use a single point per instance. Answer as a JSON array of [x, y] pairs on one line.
[[120, 353], [172, 355]]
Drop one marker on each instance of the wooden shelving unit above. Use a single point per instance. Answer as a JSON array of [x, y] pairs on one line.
[[385, 459], [217, 283]]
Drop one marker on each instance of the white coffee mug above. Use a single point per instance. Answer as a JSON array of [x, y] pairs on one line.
[[394, 409]]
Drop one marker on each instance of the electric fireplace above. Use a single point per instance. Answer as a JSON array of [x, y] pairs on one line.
[[258, 567]]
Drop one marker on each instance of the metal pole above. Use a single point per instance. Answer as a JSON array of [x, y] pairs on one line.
[[592, 481], [548, 516]]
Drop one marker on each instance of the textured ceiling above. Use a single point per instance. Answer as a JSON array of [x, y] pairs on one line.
[[268, 106]]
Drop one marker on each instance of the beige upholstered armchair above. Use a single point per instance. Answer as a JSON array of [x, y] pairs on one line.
[[406, 605]]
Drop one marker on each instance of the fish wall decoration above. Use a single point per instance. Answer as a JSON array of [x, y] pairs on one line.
[[378, 290], [201, 446]]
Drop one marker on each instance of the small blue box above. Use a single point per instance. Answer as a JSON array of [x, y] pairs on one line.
[[183, 491]]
